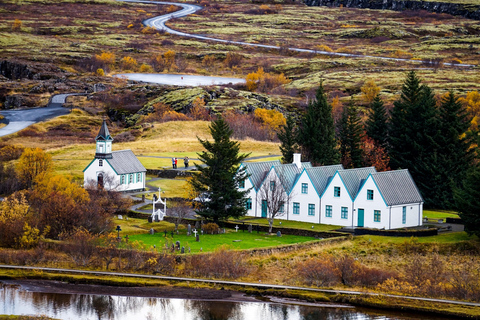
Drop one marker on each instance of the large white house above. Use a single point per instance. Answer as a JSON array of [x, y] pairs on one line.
[[360, 197], [114, 170]]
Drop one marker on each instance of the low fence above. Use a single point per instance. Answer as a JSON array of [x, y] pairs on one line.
[[397, 233]]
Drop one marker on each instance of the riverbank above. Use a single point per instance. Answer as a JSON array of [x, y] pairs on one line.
[[223, 291]]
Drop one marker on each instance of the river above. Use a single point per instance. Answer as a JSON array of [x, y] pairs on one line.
[[17, 299], [179, 79]]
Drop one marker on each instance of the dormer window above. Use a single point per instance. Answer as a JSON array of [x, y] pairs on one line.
[[369, 194], [100, 163], [336, 191]]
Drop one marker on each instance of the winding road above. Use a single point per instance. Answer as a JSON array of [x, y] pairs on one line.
[[187, 9], [19, 119]]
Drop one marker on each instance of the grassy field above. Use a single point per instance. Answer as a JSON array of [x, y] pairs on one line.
[[208, 242]]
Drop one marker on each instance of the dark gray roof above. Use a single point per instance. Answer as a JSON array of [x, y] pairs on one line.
[[289, 173], [103, 134], [258, 170], [354, 178], [397, 187], [124, 161], [320, 176]]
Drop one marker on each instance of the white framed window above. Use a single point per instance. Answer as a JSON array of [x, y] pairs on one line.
[[100, 162], [369, 194], [328, 211], [296, 208], [377, 216], [344, 213], [305, 188], [311, 209], [336, 191]]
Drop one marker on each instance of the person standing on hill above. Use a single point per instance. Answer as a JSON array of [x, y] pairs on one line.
[[173, 163], [176, 163], [185, 161]]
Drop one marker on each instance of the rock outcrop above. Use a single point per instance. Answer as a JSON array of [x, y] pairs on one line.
[[469, 11], [14, 70]]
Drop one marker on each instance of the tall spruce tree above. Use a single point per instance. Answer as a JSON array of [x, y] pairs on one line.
[[316, 136], [350, 136], [288, 139], [376, 125], [414, 137], [467, 200], [455, 154], [218, 179]]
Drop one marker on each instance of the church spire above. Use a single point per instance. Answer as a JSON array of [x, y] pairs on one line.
[[104, 143]]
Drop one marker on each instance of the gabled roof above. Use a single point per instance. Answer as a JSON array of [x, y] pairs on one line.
[[124, 162], [320, 176], [258, 170], [103, 134], [397, 187], [289, 173], [354, 178]]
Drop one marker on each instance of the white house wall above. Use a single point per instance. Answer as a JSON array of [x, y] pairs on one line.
[[112, 181], [253, 196], [311, 197], [337, 203], [369, 206]]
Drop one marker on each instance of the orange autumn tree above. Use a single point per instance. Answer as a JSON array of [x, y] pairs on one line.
[[472, 102]]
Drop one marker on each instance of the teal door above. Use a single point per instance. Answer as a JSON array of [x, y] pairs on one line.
[[264, 208], [360, 217]]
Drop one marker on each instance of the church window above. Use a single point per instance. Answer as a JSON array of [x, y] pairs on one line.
[[100, 163]]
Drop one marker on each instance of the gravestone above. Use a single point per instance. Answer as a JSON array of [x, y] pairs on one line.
[[197, 238], [156, 218], [152, 231], [150, 219], [201, 231], [279, 234], [183, 250], [197, 225], [171, 233], [173, 248], [224, 231], [177, 245], [250, 228], [165, 233], [126, 238], [189, 229], [155, 197], [143, 198], [120, 217]]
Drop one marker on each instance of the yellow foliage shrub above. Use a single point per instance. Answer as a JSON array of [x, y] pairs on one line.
[[369, 91], [272, 118], [322, 47], [171, 8], [130, 26], [128, 63], [107, 58], [148, 30], [145, 68], [17, 25], [100, 72]]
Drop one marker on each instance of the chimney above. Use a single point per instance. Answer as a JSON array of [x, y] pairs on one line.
[[297, 159]]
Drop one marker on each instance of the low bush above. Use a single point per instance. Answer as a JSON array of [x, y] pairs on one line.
[[211, 228]]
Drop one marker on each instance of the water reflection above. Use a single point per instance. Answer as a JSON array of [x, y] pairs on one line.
[[18, 301]]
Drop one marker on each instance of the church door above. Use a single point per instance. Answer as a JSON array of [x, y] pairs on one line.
[[100, 181]]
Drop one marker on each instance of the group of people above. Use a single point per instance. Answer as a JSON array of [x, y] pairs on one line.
[[174, 162]]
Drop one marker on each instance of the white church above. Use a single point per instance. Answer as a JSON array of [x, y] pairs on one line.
[[114, 170], [360, 197]]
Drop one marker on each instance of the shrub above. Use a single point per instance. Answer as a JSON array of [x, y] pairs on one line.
[[264, 82], [17, 25], [323, 47], [319, 272], [211, 228], [223, 263], [100, 72], [128, 63], [233, 59], [11, 152], [145, 68], [106, 58], [208, 61]]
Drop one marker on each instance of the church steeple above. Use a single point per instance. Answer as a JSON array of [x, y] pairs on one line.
[[104, 143]]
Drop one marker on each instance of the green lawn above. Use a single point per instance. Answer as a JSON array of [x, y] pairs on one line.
[[171, 187], [291, 224], [236, 240], [439, 214], [450, 237]]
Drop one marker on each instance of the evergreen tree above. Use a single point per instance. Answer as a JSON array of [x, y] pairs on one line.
[[455, 155], [414, 138], [376, 125], [317, 132], [467, 200], [218, 179], [350, 134], [287, 137]]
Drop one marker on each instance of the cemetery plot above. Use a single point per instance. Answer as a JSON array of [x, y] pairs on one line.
[[239, 240]]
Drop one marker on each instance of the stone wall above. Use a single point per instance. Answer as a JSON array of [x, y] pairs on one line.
[[467, 11], [397, 233]]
